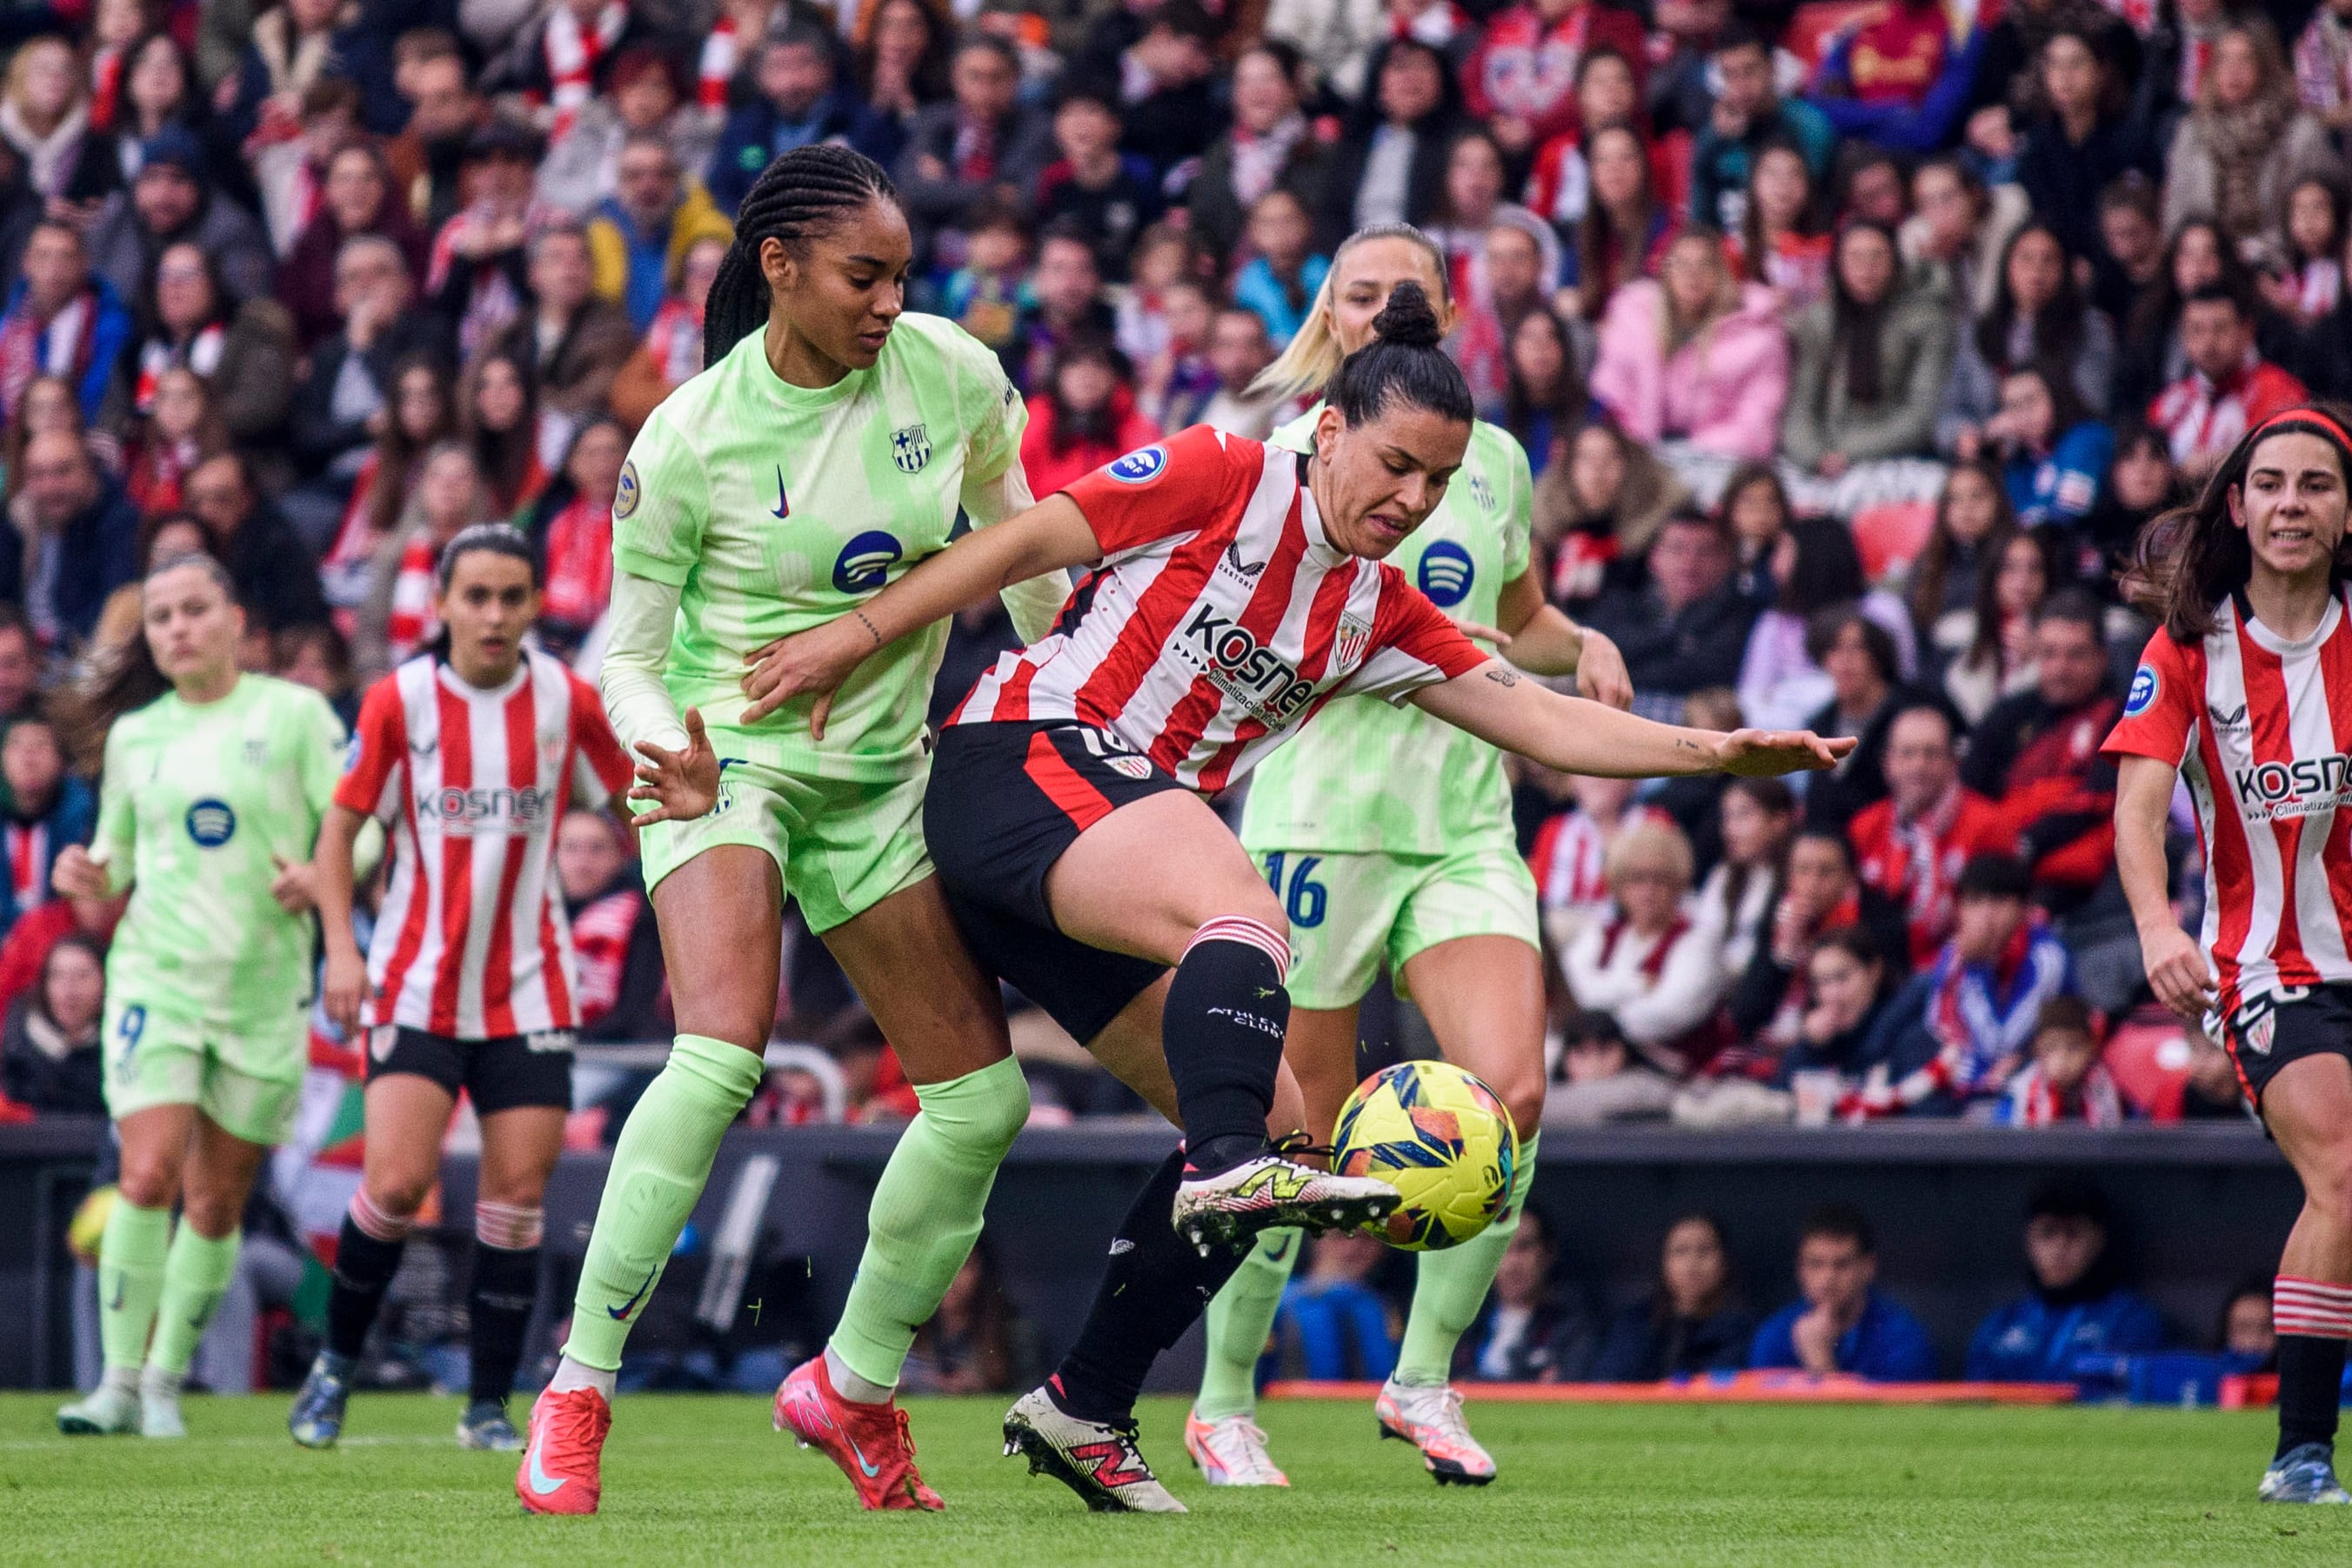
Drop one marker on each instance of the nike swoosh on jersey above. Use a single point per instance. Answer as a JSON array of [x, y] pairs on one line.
[[783, 507]]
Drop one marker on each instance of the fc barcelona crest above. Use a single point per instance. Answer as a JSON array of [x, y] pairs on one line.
[[910, 448], [1354, 637]]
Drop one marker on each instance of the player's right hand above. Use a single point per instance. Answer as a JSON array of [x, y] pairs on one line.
[[684, 784], [2177, 972], [344, 987], [76, 875]]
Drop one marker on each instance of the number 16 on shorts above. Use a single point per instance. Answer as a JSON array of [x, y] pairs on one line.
[[1303, 900]]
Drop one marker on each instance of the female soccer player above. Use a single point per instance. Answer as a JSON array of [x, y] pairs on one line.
[[1237, 592], [2243, 695], [469, 754], [214, 788], [825, 450], [1414, 867]]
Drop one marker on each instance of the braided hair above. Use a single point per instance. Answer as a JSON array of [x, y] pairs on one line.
[[803, 193]]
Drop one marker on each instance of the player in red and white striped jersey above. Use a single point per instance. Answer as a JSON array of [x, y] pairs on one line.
[[2245, 694], [1236, 590], [469, 754]]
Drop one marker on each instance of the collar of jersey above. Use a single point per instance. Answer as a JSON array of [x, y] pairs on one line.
[[2271, 642], [798, 398], [455, 685]]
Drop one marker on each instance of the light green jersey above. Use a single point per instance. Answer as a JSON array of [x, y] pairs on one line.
[[772, 509], [197, 804], [1365, 776]]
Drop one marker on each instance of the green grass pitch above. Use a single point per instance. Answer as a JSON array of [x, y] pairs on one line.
[[703, 1479]]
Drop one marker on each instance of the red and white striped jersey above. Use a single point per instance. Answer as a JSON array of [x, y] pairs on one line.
[[1221, 618], [2259, 727], [471, 942]]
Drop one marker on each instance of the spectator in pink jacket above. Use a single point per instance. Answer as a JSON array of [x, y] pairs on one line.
[[1696, 356]]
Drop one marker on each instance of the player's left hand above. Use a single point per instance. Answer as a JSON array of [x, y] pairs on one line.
[[1768, 753], [1601, 673], [817, 660], [296, 886]]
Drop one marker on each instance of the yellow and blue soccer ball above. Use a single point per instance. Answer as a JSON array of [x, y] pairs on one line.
[[1441, 1138]]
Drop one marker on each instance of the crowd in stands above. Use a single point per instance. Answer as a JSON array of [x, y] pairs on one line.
[[1850, 343]]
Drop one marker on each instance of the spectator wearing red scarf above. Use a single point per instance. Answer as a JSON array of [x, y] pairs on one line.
[[1911, 845]]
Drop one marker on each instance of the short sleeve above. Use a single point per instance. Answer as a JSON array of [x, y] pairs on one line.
[[1179, 485], [323, 752], [1519, 516], [2160, 710], [661, 506], [376, 760], [600, 768], [114, 840], [1414, 646], [994, 419]]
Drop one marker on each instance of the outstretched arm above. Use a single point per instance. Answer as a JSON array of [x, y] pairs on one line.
[[1049, 536], [1502, 707]]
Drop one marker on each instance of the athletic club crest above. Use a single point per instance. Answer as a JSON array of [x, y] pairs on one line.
[[910, 448], [1135, 767], [1354, 637]]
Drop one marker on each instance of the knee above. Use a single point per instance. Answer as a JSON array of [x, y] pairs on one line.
[[1523, 1096], [149, 1179], [2328, 1184], [397, 1195], [211, 1214], [508, 1227], [988, 1108]]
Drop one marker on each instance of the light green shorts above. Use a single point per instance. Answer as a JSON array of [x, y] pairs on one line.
[[841, 845], [153, 1059], [1350, 914]]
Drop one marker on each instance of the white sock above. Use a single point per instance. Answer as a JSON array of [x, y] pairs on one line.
[[120, 1380], [850, 1386], [154, 1382], [571, 1374]]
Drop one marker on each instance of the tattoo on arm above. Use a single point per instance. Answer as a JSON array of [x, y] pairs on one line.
[[1501, 676], [1688, 745]]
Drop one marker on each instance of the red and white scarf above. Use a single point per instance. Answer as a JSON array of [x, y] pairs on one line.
[[720, 51], [579, 563], [675, 340], [202, 355], [105, 84], [413, 619], [572, 55], [28, 862], [61, 346], [2095, 1103]]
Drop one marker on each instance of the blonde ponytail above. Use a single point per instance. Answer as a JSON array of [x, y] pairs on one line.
[[1311, 357]]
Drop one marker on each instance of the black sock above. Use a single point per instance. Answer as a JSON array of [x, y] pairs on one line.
[[363, 1271], [1222, 1028], [1158, 1284], [506, 1287], [2310, 1376]]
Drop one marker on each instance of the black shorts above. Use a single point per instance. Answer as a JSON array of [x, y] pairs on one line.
[[2268, 1032], [498, 1074], [1004, 800]]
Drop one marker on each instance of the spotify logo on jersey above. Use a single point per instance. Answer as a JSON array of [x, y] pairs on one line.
[[1445, 573], [210, 823], [864, 562]]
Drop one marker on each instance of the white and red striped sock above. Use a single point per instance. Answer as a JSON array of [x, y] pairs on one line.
[[2312, 1307]]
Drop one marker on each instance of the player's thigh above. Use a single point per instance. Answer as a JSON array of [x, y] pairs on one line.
[[720, 915], [222, 1167], [407, 1118], [2307, 1105], [909, 962], [1144, 878], [520, 1148], [1466, 948]]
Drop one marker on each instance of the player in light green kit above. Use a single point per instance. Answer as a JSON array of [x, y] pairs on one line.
[[825, 450], [1387, 834], [215, 786]]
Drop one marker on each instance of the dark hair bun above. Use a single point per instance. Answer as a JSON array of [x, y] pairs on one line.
[[1408, 319]]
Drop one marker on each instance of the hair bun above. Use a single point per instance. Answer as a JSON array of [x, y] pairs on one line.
[[1408, 319]]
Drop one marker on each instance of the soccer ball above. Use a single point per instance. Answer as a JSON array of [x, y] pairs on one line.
[[1439, 1136]]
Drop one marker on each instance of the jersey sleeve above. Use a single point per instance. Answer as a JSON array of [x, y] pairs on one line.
[[1179, 485], [995, 486], [320, 750], [2161, 712], [600, 768], [661, 506], [114, 842], [1414, 646], [376, 760]]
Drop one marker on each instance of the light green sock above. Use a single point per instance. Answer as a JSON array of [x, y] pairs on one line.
[[196, 1274], [131, 1253], [1239, 1320], [925, 1214], [659, 1168], [1450, 1286]]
